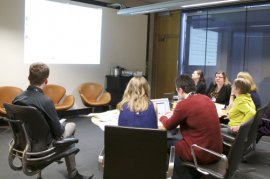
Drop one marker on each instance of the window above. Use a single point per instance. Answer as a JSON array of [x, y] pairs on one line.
[[231, 39]]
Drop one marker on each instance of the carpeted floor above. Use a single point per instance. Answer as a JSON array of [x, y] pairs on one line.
[[91, 143]]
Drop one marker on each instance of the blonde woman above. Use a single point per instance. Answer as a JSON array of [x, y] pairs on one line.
[[253, 91], [136, 109]]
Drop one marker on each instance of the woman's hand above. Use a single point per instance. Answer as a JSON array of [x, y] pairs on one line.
[[234, 129]]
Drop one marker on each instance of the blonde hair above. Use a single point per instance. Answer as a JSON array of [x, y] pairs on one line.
[[136, 95], [248, 77]]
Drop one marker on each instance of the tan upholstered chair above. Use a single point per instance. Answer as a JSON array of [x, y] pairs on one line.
[[7, 94], [93, 95], [57, 94]]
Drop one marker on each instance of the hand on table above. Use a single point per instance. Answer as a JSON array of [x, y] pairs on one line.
[[168, 115]]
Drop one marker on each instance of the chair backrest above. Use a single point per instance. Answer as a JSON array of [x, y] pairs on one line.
[[36, 131], [7, 94], [54, 92], [30, 140], [252, 134], [237, 148], [91, 90], [135, 153]]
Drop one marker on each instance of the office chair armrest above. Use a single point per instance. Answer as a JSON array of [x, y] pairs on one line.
[[101, 159], [229, 140], [171, 162], [222, 156], [12, 121], [265, 119], [64, 142], [224, 125]]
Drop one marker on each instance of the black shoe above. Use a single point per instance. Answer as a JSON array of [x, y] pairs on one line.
[[79, 176]]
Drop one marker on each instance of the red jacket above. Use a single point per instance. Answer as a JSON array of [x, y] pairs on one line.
[[199, 124]]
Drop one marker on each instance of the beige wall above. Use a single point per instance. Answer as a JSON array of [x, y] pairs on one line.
[[123, 43]]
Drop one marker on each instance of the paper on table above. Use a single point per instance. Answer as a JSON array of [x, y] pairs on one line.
[[220, 109], [106, 116]]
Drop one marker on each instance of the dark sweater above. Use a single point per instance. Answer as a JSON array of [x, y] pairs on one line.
[[256, 99], [34, 96], [200, 88], [223, 95]]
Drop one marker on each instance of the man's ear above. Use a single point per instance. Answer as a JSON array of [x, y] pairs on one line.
[[46, 81], [178, 90]]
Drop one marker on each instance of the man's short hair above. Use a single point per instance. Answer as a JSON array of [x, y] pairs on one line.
[[186, 83], [38, 73]]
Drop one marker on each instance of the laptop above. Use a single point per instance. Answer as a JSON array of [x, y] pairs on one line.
[[162, 104]]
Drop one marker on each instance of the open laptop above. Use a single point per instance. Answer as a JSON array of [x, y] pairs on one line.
[[162, 104]]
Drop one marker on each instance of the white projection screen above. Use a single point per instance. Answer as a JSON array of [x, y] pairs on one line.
[[61, 32]]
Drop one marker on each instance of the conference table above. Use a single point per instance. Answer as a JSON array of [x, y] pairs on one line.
[[111, 117]]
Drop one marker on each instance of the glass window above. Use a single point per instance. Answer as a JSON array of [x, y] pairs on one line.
[[257, 56], [230, 39]]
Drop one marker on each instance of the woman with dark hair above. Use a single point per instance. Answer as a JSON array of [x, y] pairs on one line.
[[199, 80], [220, 90]]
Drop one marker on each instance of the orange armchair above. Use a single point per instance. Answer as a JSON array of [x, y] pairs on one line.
[[7, 94], [93, 95], [57, 94]]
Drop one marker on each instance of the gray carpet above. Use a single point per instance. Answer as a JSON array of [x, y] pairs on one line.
[[91, 142]]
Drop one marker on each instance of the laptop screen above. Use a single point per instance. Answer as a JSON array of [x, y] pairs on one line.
[[162, 104]]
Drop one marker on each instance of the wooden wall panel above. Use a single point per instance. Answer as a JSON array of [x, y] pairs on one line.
[[166, 52]]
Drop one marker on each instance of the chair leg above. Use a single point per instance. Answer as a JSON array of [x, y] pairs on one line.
[[39, 175]]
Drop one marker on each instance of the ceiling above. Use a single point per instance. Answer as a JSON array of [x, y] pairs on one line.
[[133, 7], [134, 3]]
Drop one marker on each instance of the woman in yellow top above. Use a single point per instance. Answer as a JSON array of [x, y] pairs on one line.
[[243, 108]]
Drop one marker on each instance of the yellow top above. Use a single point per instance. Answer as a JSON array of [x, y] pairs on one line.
[[242, 110]]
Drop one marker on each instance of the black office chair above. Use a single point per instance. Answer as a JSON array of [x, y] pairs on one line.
[[135, 153], [29, 142], [250, 143], [225, 167]]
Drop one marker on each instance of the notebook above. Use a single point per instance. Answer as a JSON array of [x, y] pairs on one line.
[[162, 104]]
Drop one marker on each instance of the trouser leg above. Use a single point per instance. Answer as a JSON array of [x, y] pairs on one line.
[[70, 160], [71, 165], [69, 129], [184, 172]]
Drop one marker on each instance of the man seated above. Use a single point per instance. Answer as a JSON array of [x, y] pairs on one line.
[[199, 124], [33, 96]]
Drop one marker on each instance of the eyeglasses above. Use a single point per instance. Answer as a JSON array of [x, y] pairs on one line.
[[219, 77]]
